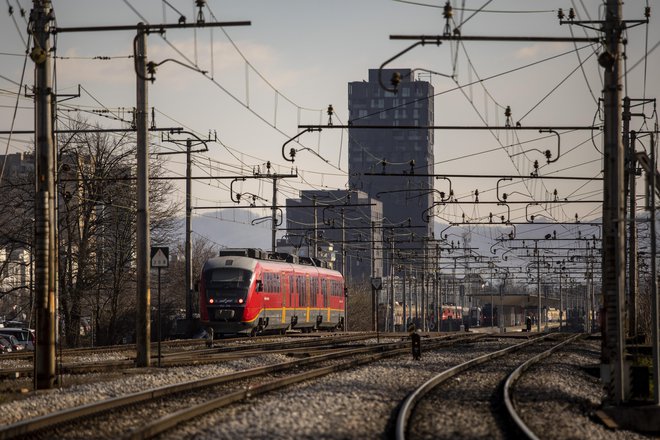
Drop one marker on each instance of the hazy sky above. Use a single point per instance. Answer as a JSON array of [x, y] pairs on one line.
[[309, 50]]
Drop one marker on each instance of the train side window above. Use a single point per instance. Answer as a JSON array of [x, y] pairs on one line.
[[302, 297], [308, 302], [324, 292]]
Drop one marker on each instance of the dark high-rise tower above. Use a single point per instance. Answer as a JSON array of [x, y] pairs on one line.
[[393, 150]]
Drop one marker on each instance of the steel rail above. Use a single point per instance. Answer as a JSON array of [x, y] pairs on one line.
[[517, 374], [32, 425], [409, 403], [170, 421], [193, 356]]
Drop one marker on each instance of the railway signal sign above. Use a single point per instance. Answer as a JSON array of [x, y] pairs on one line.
[[160, 257], [377, 283]]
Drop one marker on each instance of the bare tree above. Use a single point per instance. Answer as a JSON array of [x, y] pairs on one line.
[[97, 210], [16, 233]]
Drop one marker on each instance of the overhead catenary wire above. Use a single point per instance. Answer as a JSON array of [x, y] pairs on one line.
[[13, 119]]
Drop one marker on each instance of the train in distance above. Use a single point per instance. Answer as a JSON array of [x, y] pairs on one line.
[[251, 291]]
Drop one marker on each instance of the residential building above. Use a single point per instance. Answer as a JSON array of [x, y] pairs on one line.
[[331, 225]]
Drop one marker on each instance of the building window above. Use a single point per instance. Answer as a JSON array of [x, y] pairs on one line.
[[405, 91]]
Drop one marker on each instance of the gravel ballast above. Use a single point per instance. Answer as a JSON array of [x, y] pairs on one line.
[[357, 404]]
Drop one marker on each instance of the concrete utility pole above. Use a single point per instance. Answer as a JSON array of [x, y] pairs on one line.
[[273, 244], [344, 265], [655, 310], [143, 317], [316, 230], [374, 305], [189, 143], [188, 250], [613, 265], [629, 140], [392, 280], [45, 247], [538, 284]]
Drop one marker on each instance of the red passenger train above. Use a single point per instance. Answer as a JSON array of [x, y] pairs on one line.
[[252, 291]]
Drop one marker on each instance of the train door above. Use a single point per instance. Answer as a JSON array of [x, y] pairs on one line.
[[324, 293], [308, 294], [284, 288]]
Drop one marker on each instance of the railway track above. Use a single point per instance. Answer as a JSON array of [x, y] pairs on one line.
[[165, 345], [183, 401], [479, 389], [198, 355]]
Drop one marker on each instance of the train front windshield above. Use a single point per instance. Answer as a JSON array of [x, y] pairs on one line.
[[227, 284]]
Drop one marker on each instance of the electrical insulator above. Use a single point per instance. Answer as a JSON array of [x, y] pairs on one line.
[[507, 114], [647, 12], [571, 14], [330, 113], [396, 79], [448, 12], [560, 14], [200, 15]]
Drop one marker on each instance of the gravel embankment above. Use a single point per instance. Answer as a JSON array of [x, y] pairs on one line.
[[98, 387], [557, 398], [357, 404]]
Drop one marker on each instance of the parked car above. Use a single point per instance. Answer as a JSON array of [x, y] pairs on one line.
[[25, 336], [15, 344], [5, 345]]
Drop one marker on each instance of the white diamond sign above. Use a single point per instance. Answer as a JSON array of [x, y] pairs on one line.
[[160, 257]]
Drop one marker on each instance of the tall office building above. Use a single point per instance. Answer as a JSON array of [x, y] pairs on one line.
[[332, 224], [393, 150]]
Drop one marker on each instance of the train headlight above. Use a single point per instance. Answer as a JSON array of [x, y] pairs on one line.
[[240, 300], [211, 301]]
